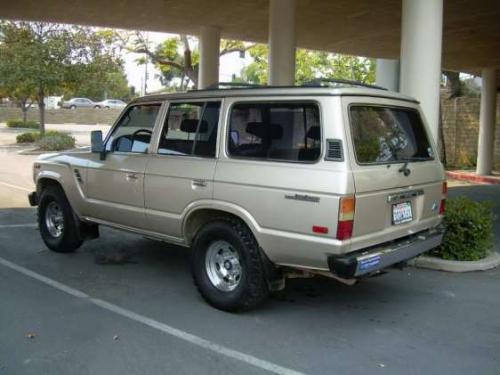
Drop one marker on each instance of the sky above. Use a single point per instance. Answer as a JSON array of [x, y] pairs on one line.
[[229, 65]]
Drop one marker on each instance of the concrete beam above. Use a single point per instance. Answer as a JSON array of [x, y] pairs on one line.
[[209, 44], [421, 43], [487, 120], [282, 42]]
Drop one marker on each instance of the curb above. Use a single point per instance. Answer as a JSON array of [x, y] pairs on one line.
[[432, 263], [472, 177]]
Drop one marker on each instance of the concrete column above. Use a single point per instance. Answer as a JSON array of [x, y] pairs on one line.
[[209, 44], [421, 42], [388, 74], [487, 120], [282, 42]]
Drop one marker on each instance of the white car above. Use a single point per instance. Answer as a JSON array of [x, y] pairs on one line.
[[111, 103]]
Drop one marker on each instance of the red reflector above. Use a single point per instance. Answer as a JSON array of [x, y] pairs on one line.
[[321, 230], [344, 229], [442, 207]]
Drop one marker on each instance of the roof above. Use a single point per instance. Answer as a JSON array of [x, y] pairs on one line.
[[277, 91], [471, 32]]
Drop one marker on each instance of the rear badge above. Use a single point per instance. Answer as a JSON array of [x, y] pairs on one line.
[[368, 263], [434, 206]]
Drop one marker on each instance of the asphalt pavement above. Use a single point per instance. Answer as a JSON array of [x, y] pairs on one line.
[[75, 313]]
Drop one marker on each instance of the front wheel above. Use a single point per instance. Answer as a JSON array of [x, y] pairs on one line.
[[57, 223], [227, 266]]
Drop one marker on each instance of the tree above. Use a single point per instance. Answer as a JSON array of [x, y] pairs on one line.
[[310, 65], [45, 59], [178, 57]]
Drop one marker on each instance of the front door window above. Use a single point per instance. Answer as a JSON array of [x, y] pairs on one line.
[[134, 130]]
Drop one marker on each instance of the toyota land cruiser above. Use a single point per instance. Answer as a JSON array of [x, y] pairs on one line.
[[260, 183]]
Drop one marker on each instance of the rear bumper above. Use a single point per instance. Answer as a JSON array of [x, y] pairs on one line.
[[33, 198], [361, 263]]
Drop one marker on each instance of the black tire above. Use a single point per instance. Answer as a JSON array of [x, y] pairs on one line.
[[72, 107], [252, 288], [97, 107], [69, 240]]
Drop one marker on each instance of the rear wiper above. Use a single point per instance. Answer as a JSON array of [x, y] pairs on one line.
[[405, 170]]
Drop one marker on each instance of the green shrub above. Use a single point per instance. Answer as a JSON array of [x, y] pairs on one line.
[[469, 230], [21, 124], [56, 141], [28, 137]]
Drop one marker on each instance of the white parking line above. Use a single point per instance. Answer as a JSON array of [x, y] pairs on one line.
[[193, 339], [29, 225], [16, 187]]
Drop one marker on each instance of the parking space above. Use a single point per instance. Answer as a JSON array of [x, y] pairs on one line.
[[130, 307]]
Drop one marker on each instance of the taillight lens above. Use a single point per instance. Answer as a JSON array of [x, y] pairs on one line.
[[346, 218], [442, 207]]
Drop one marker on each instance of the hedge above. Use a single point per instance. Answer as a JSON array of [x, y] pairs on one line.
[[469, 230]]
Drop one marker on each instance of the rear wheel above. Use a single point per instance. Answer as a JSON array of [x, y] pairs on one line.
[[56, 220], [227, 266]]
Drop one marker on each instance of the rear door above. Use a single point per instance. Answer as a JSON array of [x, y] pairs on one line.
[[397, 173]]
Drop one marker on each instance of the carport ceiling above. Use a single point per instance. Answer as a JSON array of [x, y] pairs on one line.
[[359, 27]]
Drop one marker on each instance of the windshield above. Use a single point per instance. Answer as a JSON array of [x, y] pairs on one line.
[[388, 135]]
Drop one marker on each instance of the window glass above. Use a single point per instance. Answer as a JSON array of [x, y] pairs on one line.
[[133, 132], [275, 131], [386, 135], [190, 129]]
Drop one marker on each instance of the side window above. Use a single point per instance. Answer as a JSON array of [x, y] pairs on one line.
[[275, 131], [190, 129], [133, 132]]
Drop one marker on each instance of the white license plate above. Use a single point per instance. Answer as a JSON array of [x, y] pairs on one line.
[[401, 213]]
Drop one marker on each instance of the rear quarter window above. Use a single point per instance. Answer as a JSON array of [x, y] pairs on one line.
[[384, 135], [275, 131]]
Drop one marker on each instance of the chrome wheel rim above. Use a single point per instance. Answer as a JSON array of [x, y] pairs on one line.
[[54, 219], [222, 265]]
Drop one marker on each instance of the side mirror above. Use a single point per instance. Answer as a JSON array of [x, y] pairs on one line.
[[96, 143]]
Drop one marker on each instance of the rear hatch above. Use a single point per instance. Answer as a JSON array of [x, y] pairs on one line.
[[397, 174]]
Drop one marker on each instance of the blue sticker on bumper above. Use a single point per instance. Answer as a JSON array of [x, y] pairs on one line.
[[368, 263]]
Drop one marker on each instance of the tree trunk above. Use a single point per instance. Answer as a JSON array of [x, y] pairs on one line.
[[41, 109], [24, 110], [453, 83]]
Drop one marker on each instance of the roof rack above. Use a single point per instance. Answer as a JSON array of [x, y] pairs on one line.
[[321, 82], [231, 85]]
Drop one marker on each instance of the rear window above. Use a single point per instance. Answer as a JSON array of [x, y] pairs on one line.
[[388, 135], [278, 131]]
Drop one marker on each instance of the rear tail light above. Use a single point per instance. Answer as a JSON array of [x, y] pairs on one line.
[[346, 218], [442, 207]]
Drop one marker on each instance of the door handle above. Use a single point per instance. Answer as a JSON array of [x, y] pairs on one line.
[[198, 183], [131, 176]]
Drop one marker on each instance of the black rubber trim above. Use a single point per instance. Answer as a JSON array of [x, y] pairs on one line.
[[33, 198]]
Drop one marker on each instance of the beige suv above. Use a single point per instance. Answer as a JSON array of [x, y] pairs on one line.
[[260, 183]]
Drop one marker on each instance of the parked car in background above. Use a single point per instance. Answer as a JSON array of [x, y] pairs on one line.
[[78, 103], [111, 103]]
